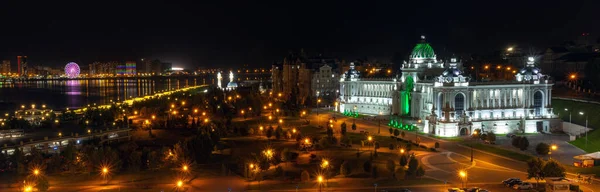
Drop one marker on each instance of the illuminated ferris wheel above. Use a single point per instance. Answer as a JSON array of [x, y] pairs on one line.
[[72, 70]]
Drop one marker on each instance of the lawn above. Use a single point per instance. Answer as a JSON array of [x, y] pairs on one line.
[[499, 151], [592, 111]]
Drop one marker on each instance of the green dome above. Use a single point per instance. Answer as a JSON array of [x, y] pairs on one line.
[[422, 51]]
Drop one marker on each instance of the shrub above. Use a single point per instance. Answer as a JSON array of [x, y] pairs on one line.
[[304, 177], [515, 141], [345, 169], [542, 149], [400, 173], [413, 163], [403, 160], [367, 166], [437, 145], [523, 143], [491, 136], [391, 147]]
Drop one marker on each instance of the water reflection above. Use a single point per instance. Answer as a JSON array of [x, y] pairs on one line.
[[76, 93]]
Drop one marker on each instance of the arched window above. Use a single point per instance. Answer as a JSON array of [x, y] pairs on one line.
[[459, 104], [537, 102]]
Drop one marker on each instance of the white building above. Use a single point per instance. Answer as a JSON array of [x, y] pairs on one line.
[[448, 103], [325, 82]]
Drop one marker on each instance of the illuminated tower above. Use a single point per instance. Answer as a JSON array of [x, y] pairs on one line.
[[219, 78], [22, 65], [230, 76]]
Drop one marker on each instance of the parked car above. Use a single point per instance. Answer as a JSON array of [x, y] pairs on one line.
[[513, 183], [455, 190], [509, 180], [523, 186], [472, 189]]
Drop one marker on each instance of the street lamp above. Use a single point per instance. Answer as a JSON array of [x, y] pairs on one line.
[[320, 179], [463, 176], [586, 125]]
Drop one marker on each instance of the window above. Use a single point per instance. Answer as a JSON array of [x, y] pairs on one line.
[[537, 103], [459, 104]]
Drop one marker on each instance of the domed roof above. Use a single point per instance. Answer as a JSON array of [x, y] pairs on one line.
[[352, 73], [422, 50], [232, 85], [530, 71]]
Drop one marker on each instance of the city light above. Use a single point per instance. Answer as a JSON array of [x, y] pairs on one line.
[[370, 138], [462, 174], [554, 147], [179, 183], [572, 76]]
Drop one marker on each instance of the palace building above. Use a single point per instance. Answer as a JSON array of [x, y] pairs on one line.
[[448, 102]]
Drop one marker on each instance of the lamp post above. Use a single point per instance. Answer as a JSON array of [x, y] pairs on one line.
[[320, 180], [463, 176], [586, 131]]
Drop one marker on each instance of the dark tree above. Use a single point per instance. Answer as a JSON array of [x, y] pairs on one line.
[[270, 132], [413, 164], [553, 169], [403, 160], [542, 149], [523, 143], [367, 166], [353, 126], [396, 132]]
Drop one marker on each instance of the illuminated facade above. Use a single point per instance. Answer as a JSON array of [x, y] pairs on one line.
[[448, 103]]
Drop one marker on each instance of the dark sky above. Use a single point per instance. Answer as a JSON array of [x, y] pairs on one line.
[[232, 33]]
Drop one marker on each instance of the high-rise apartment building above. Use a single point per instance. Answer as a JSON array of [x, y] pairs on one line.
[[5, 68]]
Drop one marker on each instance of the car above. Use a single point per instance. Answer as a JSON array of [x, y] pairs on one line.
[[472, 189], [521, 186], [455, 190], [483, 190], [513, 183], [509, 179]]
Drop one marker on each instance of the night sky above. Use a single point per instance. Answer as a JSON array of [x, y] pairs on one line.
[[230, 33]]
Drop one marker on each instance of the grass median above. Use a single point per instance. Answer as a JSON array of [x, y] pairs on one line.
[[589, 110], [498, 151]]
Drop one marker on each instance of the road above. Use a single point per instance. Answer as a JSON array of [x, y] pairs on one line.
[[444, 166]]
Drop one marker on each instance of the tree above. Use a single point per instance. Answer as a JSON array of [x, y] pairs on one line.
[[343, 128], [353, 126], [412, 166], [535, 169], [437, 145], [396, 132], [345, 169], [269, 132], [402, 134], [42, 184], [553, 169], [329, 132], [367, 166], [374, 173], [542, 149], [392, 146], [400, 173], [403, 160], [491, 137], [523, 143], [304, 177], [420, 172], [391, 166], [278, 132], [391, 131], [515, 141]]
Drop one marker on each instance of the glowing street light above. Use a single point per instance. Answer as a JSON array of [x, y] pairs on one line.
[[307, 141], [370, 138], [185, 168], [153, 117], [324, 164], [294, 130], [36, 172], [401, 151], [463, 176], [554, 147], [179, 183], [28, 188]]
